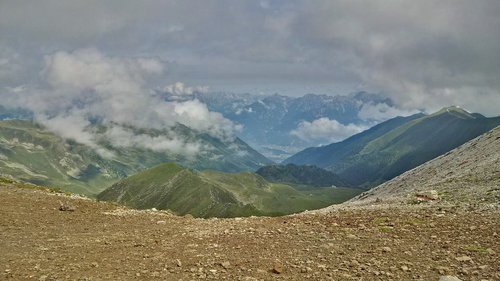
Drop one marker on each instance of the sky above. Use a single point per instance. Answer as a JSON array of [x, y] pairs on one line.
[[422, 54]]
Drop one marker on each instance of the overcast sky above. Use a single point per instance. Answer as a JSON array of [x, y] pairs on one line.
[[423, 54]]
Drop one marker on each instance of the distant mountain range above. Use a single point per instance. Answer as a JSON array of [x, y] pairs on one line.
[[397, 145], [217, 194], [31, 153], [308, 175], [269, 120]]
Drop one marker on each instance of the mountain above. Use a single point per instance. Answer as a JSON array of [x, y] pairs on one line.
[[309, 175], [269, 120], [467, 175], [397, 145], [31, 153], [216, 194]]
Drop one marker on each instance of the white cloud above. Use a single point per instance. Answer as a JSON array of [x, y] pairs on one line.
[[124, 137], [380, 112], [324, 129], [87, 85]]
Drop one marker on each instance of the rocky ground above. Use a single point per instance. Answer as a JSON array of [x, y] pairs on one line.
[[47, 236]]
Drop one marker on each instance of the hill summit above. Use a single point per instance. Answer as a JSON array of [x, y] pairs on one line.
[[216, 194]]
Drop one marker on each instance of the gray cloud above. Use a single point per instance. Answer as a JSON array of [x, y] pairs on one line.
[[424, 54]]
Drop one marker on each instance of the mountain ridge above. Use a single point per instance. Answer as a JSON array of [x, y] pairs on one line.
[[395, 149]]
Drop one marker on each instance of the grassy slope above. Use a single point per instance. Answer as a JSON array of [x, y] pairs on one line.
[[210, 193], [410, 145], [30, 153], [326, 155], [397, 145]]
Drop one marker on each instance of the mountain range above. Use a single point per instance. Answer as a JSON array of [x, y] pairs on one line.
[[268, 120], [397, 145], [31, 153]]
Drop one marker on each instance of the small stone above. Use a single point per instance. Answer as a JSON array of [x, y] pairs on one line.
[[65, 207], [352, 236], [94, 264], [178, 263], [483, 267], [442, 269], [404, 268], [43, 278], [490, 251], [225, 264], [161, 222], [449, 278], [463, 259], [277, 268], [386, 249]]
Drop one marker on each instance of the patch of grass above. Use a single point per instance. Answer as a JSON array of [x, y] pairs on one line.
[[384, 228], [6, 180], [415, 222], [476, 249], [379, 221]]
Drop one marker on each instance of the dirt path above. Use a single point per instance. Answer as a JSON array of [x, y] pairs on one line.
[[101, 241]]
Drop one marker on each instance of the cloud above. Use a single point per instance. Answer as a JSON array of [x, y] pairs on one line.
[[179, 89], [124, 137], [86, 86], [380, 112], [324, 129], [424, 54]]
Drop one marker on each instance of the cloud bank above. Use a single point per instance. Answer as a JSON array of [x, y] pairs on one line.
[[84, 87], [324, 129]]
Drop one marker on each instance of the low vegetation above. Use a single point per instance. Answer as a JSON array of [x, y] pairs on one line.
[[217, 194]]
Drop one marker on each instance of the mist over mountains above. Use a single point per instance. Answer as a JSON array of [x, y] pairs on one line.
[[279, 125]]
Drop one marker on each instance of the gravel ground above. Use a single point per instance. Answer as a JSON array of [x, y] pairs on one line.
[[46, 236]]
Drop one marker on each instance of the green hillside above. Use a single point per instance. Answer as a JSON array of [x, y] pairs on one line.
[[308, 175], [395, 146], [30, 153], [217, 194]]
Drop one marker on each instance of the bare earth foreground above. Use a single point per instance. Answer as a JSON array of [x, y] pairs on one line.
[[100, 241]]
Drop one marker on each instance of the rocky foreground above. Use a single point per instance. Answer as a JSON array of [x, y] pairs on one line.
[[47, 236]]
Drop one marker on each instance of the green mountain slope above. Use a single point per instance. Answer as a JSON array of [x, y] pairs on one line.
[[398, 145], [309, 175], [30, 153], [216, 194]]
